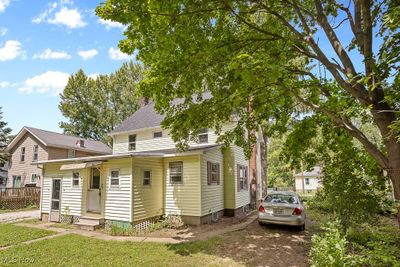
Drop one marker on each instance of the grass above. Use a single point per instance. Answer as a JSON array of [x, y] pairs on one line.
[[11, 234], [75, 250]]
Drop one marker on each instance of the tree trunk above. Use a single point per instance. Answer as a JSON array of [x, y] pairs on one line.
[[394, 173]]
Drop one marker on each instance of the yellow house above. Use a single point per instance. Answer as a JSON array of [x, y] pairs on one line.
[[146, 177]]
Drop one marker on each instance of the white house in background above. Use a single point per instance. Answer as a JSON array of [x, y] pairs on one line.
[[308, 181], [146, 177]]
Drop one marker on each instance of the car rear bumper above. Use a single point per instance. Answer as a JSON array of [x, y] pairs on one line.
[[283, 220]]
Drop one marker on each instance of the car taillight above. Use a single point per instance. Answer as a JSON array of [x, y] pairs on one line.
[[261, 208], [297, 211]]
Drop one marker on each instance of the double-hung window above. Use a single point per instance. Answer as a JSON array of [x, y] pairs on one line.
[[242, 177], [147, 178], [35, 152], [34, 178], [22, 158], [307, 181], [176, 172], [114, 178], [71, 153], [132, 142], [75, 178], [203, 136], [213, 176]]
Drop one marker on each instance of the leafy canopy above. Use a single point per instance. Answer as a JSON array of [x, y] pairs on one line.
[[94, 107]]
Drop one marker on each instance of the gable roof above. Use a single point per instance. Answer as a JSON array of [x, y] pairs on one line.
[[315, 172], [52, 139], [147, 117]]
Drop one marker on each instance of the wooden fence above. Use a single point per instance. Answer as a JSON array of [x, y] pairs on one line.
[[19, 198]]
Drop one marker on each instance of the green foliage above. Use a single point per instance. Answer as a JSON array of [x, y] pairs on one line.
[[5, 135], [117, 228], [279, 172], [94, 107], [330, 248]]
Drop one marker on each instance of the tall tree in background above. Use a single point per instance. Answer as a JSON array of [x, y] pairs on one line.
[[265, 52], [94, 107], [5, 135]]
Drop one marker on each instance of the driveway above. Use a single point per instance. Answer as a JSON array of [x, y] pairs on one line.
[[19, 215]]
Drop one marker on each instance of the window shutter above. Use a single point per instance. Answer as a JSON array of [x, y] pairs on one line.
[[247, 177], [218, 175], [238, 177], [208, 173]]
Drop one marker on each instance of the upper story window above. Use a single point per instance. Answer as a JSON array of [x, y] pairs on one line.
[[34, 178], [71, 153], [307, 181], [157, 134], [22, 158], [203, 136], [176, 172], [132, 142], [35, 152]]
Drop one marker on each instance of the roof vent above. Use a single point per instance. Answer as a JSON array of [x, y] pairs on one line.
[[80, 143]]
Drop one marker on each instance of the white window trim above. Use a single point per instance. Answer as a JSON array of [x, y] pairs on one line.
[[151, 178], [73, 153], [37, 176], [203, 132], [154, 137], [129, 143], [22, 154], [78, 178], [37, 153], [244, 178], [169, 174], [119, 179]]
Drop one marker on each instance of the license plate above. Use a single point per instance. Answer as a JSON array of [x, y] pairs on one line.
[[278, 211]]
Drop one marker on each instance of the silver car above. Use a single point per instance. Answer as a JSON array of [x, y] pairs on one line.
[[282, 207]]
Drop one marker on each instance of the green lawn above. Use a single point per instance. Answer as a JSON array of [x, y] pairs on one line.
[[75, 250], [12, 234]]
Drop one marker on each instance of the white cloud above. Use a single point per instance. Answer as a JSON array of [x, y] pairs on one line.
[[111, 24], [52, 82], [116, 54], [87, 54], [3, 31], [3, 5], [4, 84], [49, 54], [68, 17], [11, 50], [59, 14]]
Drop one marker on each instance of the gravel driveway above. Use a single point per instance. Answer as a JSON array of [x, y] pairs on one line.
[[19, 215]]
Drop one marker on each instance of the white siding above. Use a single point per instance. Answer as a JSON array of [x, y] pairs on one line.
[[118, 199], [185, 198], [71, 196], [146, 142], [212, 196], [314, 183], [243, 196], [46, 195]]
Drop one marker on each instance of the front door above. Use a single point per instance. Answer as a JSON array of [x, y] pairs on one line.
[[55, 200], [94, 192]]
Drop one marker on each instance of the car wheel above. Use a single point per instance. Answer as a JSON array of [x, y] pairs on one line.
[[302, 227], [260, 223]]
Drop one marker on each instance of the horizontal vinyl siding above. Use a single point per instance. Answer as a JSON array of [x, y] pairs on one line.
[[229, 178], [118, 199], [146, 142], [71, 197], [212, 196], [185, 198], [147, 200], [242, 197]]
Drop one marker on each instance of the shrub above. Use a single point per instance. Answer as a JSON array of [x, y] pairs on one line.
[[330, 247]]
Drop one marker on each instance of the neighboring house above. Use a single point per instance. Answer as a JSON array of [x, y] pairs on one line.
[[31, 145], [308, 181], [146, 177], [3, 174]]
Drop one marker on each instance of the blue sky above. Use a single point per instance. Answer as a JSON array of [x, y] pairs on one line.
[[41, 44]]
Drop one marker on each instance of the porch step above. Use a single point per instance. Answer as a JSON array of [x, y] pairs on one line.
[[89, 223]]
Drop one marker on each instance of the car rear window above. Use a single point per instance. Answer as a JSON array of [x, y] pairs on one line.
[[281, 198]]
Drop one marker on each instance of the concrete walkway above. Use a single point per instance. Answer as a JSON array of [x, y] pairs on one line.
[[19, 216], [103, 236]]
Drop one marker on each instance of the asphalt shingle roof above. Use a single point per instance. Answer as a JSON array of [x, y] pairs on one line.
[[53, 139]]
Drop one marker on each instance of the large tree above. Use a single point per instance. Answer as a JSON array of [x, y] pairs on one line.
[[94, 107], [5, 135], [339, 59]]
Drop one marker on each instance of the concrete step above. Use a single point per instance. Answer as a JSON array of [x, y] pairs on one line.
[[89, 223]]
